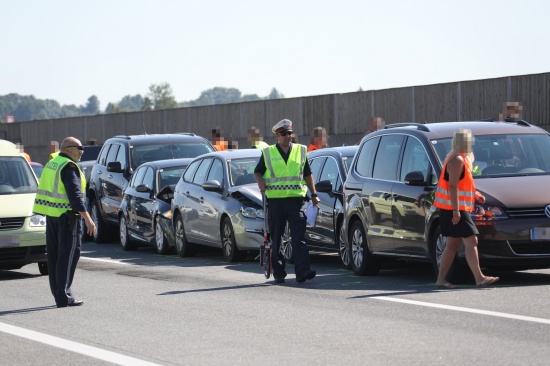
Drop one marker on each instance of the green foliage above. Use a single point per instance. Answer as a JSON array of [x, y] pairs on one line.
[[161, 96]]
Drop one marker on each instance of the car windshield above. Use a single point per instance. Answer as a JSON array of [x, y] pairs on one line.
[[146, 153], [170, 175], [37, 170], [504, 155], [16, 176], [241, 171]]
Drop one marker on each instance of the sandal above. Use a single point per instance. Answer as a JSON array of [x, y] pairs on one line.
[[446, 285], [488, 281]]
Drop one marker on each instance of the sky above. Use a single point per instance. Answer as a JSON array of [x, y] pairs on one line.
[[70, 50]]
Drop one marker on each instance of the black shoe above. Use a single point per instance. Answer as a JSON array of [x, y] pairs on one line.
[[307, 275], [279, 280], [76, 303]]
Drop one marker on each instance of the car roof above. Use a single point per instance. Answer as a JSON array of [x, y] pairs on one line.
[[235, 154], [337, 150], [168, 163], [160, 138], [446, 129]]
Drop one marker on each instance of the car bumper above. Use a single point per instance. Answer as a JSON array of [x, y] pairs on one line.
[[250, 235]]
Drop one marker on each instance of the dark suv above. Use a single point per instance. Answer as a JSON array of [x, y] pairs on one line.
[[119, 158], [390, 189]]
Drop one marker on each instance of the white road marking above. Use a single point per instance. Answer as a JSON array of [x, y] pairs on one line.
[[465, 310], [105, 260], [83, 349]]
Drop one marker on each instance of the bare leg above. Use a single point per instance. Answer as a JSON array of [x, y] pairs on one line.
[[472, 257], [447, 258]]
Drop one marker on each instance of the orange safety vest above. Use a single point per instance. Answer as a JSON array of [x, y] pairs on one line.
[[466, 191]]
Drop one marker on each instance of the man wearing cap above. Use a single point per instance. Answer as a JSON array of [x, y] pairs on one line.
[[283, 173]]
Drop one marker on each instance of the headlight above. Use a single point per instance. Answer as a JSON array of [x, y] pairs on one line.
[[488, 213], [167, 214], [252, 213], [38, 220]]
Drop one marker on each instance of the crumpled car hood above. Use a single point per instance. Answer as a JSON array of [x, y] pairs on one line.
[[249, 191]]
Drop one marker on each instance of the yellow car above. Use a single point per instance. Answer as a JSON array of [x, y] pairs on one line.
[[22, 234]]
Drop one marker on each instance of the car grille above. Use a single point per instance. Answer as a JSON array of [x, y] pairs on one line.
[[12, 223], [525, 212], [521, 247]]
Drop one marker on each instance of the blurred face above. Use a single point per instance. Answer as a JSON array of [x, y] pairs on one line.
[[464, 141], [284, 138]]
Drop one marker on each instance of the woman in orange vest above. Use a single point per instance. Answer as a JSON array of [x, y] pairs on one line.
[[455, 198]]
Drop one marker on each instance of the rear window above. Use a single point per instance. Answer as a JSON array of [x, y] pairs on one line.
[[146, 153], [505, 155], [16, 176]]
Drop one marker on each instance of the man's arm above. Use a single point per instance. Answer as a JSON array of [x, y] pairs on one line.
[[311, 186]]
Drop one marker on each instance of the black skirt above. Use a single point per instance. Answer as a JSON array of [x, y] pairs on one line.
[[463, 229]]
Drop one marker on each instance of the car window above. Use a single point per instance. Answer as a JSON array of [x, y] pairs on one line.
[[387, 157], [16, 176], [168, 176], [149, 177], [121, 157], [365, 159], [415, 158], [138, 177], [200, 175], [146, 153], [113, 151], [241, 171], [216, 172], [316, 164], [103, 155], [190, 171], [330, 172]]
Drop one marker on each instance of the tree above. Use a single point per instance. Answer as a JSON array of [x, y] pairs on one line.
[[92, 107], [250, 98], [218, 95], [275, 94], [161, 96]]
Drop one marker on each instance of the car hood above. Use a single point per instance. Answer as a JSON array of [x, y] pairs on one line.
[[516, 192], [250, 191], [17, 205]]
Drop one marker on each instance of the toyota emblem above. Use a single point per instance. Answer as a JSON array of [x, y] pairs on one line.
[[547, 211]]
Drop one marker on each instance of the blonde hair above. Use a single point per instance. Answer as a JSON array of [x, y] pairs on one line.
[[462, 144]]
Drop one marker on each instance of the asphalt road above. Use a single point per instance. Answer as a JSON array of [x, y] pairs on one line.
[[142, 309]]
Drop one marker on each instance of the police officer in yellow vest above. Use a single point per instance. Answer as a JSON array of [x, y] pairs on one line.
[[283, 173], [60, 197], [254, 138]]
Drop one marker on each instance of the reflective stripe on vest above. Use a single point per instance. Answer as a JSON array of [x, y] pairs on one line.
[[466, 191], [51, 197], [285, 179], [261, 145]]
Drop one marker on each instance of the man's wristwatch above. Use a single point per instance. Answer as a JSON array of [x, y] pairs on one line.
[[314, 195]]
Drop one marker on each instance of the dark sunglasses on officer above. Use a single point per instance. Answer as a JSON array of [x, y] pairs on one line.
[[78, 147]]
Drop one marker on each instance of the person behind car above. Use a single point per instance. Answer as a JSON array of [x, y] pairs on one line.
[[512, 112], [455, 197], [281, 173], [254, 138], [54, 150], [375, 124], [60, 197], [318, 139], [218, 141]]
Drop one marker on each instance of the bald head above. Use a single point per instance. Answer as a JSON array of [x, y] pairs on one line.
[[69, 141]]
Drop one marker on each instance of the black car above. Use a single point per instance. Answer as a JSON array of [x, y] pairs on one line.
[[119, 158], [389, 194], [329, 167], [145, 214], [88, 158]]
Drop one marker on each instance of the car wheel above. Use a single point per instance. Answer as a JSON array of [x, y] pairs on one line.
[[229, 246], [183, 247], [286, 245], [343, 249], [125, 240], [160, 239], [362, 261], [458, 272], [101, 226], [43, 268]]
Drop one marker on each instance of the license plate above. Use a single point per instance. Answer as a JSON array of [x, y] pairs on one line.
[[540, 233], [7, 241]]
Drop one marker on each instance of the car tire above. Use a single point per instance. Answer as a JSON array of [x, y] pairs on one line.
[[101, 227], [161, 243], [229, 246], [343, 248], [458, 272], [43, 268], [125, 240], [286, 245], [183, 247], [363, 262]]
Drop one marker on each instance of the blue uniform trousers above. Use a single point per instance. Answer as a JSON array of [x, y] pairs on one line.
[[281, 210], [63, 239]]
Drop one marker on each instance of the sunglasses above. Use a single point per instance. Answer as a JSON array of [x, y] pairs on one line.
[[78, 147], [284, 133]]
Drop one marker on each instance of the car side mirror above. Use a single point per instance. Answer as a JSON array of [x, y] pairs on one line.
[[415, 178], [143, 188], [212, 186], [324, 186], [114, 167]]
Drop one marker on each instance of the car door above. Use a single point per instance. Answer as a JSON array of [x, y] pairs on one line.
[[144, 202], [381, 230], [129, 200], [408, 200], [324, 228], [194, 227], [316, 165], [113, 184], [212, 203]]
